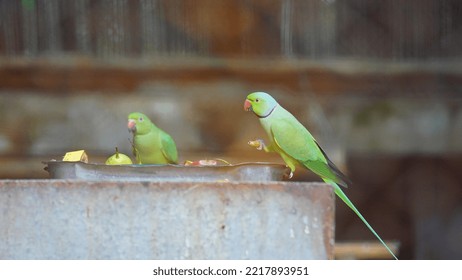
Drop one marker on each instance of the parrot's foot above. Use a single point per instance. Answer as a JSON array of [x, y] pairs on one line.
[[289, 174], [259, 144]]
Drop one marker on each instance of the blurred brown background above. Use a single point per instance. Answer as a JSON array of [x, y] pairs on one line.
[[377, 82]]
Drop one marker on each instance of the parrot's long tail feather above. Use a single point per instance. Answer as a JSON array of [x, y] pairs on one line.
[[342, 195]]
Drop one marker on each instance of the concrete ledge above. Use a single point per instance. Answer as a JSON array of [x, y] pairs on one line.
[[74, 219]]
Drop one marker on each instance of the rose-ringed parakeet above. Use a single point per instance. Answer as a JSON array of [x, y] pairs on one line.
[[151, 145], [297, 147]]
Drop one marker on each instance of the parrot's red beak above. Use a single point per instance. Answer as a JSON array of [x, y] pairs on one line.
[[131, 125], [247, 105]]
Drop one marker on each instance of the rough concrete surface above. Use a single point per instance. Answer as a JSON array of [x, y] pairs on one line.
[[76, 219]]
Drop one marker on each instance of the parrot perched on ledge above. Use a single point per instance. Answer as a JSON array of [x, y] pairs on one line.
[[151, 145], [297, 147]]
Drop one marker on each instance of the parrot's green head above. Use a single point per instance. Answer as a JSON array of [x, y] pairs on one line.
[[138, 123], [261, 103]]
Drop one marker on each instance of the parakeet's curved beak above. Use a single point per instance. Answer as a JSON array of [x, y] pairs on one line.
[[131, 125], [247, 105]]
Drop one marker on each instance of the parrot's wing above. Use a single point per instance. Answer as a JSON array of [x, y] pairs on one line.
[[296, 141], [169, 148], [343, 180]]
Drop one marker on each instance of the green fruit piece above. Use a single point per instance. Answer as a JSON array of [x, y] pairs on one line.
[[118, 158]]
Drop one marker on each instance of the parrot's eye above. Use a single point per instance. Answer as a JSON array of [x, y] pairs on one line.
[[140, 119], [257, 100]]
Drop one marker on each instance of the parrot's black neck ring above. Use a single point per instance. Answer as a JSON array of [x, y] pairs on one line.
[[267, 115]]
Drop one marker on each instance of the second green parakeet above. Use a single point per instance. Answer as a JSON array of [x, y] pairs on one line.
[[151, 145], [297, 147]]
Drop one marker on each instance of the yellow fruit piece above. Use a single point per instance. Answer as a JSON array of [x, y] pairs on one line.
[[74, 156]]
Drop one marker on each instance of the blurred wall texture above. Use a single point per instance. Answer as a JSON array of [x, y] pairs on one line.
[[377, 82]]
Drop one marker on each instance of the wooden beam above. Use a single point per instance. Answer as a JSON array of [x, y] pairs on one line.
[[351, 77], [361, 250]]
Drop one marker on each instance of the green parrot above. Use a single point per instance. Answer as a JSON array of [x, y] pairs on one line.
[[151, 145], [297, 147]]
